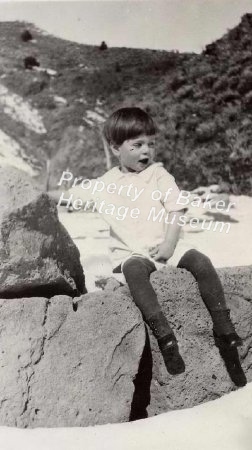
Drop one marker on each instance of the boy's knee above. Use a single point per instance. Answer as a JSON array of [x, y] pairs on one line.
[[132, 263], [194, 259], [136, 265]]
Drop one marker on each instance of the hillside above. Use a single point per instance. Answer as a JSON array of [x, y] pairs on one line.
[[202, 104]]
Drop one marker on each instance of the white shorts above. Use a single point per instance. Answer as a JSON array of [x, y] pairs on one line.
[[182, 247]]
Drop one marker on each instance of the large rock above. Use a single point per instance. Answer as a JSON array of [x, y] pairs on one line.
[[37, 255], [63, 368], [206, 376], [209, 372]]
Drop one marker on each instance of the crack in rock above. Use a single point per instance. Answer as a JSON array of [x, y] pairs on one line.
[[29, 369], [135, 326]]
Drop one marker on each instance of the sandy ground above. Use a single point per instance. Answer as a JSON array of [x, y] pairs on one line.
[[223, 424]]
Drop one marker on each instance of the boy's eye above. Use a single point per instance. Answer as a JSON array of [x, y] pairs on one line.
[[136, 145]]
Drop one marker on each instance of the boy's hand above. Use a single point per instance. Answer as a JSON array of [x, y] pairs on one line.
[[162, 252]]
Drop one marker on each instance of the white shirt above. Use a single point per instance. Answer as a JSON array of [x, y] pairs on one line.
[[131, 232]]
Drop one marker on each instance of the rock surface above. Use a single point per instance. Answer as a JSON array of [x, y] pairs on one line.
[[97, 365], [206, 376], [208, 373], [63, 368], [37, 255]]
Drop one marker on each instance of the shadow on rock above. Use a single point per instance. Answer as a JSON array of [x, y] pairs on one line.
[[142, 382]]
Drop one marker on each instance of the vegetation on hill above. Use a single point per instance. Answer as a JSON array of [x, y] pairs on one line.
[[201, 103]]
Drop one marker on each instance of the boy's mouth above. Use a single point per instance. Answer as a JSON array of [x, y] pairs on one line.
[[144, 160]]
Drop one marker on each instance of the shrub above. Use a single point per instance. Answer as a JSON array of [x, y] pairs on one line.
[[234, 70], [245, 57], [246, 42], [206, 131], [26, 36], [245, 84], [103, 46], [233, 81], [235, 34], [221, 84], [185, 92], [227, 97], [45, 102], [192, 121], [35, 87], [247, 19], [168, 63], [208, 80], [118, 67], [211, 49], [231, 113], [246, 124], [178, 81], [247, 103], [30, 62]]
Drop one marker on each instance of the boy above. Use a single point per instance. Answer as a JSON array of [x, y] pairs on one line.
[[140, 241]]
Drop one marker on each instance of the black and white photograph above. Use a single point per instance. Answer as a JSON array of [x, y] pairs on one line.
[[126, 225]]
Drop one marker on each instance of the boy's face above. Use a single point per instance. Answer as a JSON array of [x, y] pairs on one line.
[[135, 154]]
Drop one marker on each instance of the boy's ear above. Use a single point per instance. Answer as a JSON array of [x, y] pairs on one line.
[[115, 150]]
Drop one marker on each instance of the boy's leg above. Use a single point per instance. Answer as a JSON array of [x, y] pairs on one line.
[[137, 274], [212, 294]]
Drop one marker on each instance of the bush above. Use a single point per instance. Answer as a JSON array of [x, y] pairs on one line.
[[103, 46], [245, 57], [35, 87], [26, 36], [30, 62], [231, 113], [221, 84], [185, 92], [245, 84], [178, 81], [246, 124], [211, 49], [246, 42], [234, 81], [192, 121], [235, 34], [247, 103], [45, 102], [118, 67], [227, 97], [208, 80], [234, 70], [206, 131], [199, 70]]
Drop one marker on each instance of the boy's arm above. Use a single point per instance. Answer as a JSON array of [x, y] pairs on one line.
[[165, 250], [167, 185]]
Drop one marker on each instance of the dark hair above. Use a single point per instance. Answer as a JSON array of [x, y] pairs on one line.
[[128, 123]]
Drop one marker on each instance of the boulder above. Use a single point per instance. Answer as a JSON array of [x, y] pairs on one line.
[[90, 361], [61, 368], [37, 255], [209, 373]]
